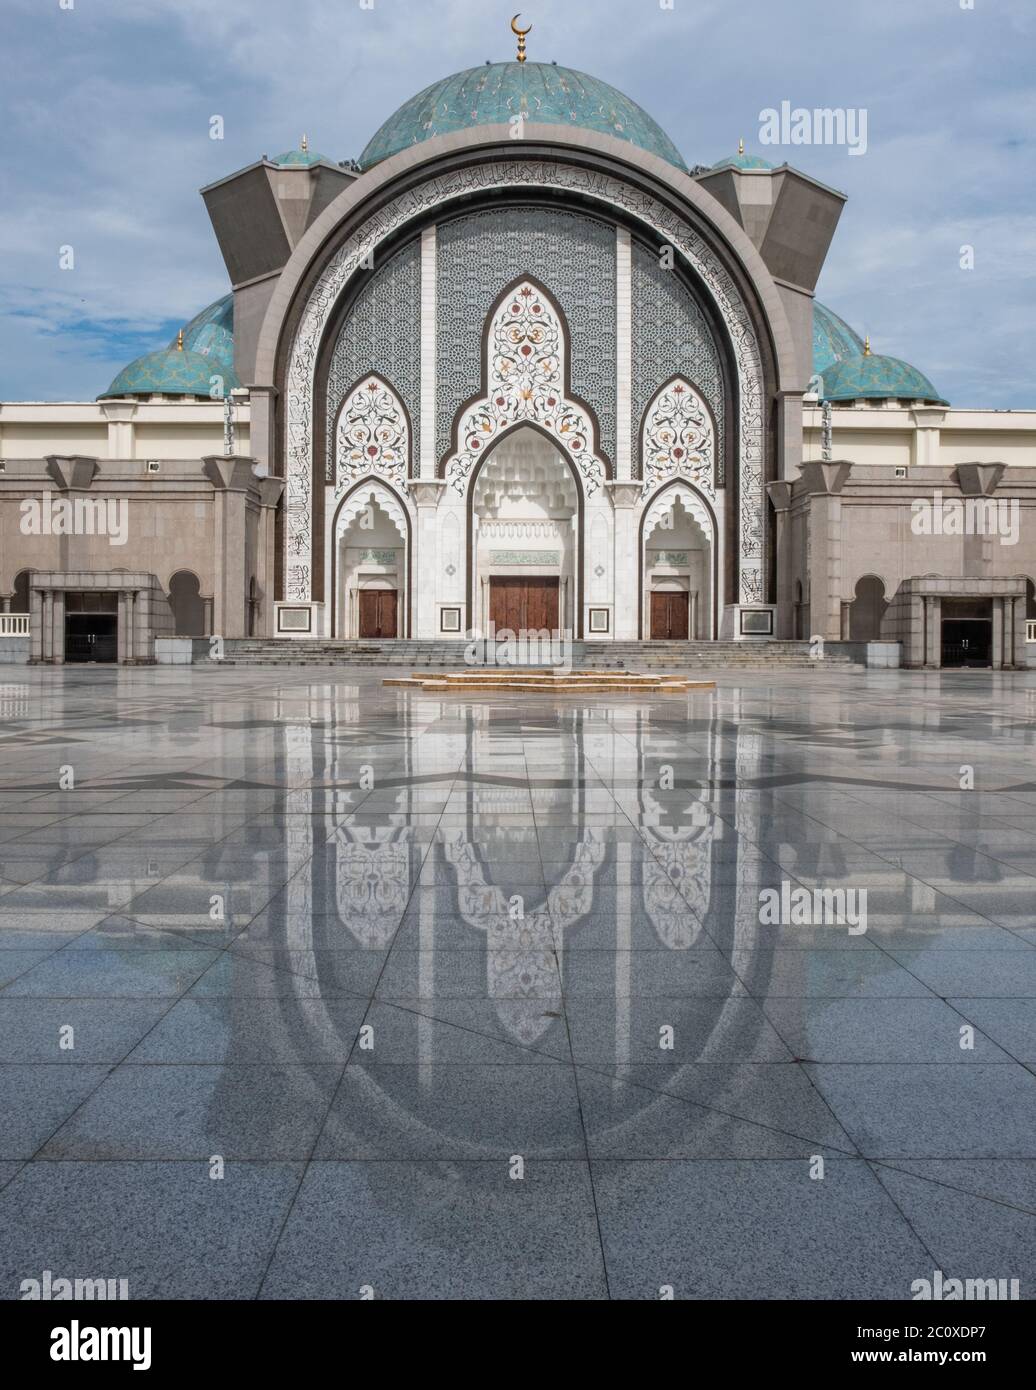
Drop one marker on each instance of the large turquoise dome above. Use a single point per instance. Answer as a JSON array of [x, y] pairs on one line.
[[207, 351], [872, 376], [833, 339], [544, 92]]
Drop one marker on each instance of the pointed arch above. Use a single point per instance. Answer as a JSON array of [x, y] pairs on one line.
[[678, 438], [700, 509], [358, 499], [372, 434], [690, 499], [525, 380], [362, 494]]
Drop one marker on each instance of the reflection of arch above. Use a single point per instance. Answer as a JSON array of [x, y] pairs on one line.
[[867, 609], [700, 510], [373, 877], [477, 467], [525, 380], [519, 950], [363, 494], [678, 437], [187, 604]]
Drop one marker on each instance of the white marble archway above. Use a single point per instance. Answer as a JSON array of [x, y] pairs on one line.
[[699, 578], [665, 224], [374, 500]]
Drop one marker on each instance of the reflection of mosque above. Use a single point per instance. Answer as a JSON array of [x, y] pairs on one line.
[[611, 893]]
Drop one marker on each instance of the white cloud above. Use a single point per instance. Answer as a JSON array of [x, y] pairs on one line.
[[106, 144]]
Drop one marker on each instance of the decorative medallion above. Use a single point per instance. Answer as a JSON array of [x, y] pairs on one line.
[[372, 436], [678, 439], [525, 376]]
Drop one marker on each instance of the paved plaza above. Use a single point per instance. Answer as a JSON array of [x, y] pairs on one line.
[[311, 987]]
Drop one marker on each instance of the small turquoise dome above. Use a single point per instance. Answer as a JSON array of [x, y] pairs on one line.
[[301, 159], [833, 339], [875, 377], [492, 94], [208, 351], [743, 161]]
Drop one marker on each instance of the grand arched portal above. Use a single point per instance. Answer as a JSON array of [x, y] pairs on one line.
[[525, 548]]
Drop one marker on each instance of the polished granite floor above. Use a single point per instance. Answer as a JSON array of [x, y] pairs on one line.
[[309, 987]]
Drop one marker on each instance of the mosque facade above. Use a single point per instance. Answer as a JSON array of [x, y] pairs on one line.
[[519, 367]]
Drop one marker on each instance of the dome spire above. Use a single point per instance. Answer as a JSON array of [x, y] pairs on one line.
[[179, 341], [867, 346], [741, 147], [521, 33], [305, 143]]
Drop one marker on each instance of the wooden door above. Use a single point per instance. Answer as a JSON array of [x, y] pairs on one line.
[[378, 609], [524, 604], [669, 617]]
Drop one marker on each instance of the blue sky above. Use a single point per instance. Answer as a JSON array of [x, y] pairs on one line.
[[106, 110]]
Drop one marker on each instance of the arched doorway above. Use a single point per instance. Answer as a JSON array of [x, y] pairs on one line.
[[525, 514], [187, 604], [867, 609], [371, 564], [679, 567], [20, 600]]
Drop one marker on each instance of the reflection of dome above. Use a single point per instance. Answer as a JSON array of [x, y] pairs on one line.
[[872, 376], [543, 92], [208, 351]]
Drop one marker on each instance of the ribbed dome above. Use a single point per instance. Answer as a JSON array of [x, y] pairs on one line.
[[875, 377], [208, 351], [492, 94]]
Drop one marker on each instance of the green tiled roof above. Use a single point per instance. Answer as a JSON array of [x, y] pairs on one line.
[[212, 334], [743, 161], [492, 94], [301, 158], [833, 339], [876, 377], [208, 351]]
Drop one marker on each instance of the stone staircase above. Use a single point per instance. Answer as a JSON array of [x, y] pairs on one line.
[[593, 656]]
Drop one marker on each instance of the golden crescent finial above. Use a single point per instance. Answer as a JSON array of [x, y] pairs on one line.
[[740, 147], [521, 33]]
